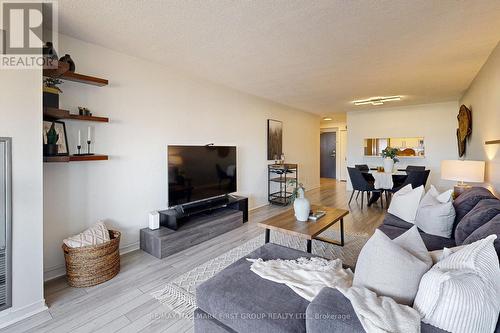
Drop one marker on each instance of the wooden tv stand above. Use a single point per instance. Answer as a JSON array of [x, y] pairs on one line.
[[194, 229]]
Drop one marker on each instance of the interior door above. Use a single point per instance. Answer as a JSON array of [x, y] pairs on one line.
[[328, 151], [343, 156]]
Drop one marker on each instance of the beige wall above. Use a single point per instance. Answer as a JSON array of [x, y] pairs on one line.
[[21, 119], [151, 107], [483, 98], [435, 122]]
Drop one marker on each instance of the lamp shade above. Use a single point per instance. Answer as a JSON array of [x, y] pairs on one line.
[[463, 171]]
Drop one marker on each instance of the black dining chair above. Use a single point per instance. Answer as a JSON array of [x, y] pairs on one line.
[[362, 167], [415, 178], [414, 168], [360, 184]]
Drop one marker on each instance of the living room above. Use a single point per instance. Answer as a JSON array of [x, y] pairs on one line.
[[214, 80]]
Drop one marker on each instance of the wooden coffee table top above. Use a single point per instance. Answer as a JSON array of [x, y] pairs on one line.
[[287, 223]]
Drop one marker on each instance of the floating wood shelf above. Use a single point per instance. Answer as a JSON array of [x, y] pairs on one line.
[[55, 114], [62, 72], [75, 158], [493, 142]]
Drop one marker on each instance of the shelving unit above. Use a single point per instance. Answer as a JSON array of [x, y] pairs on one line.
[[62, 72], [50, 114], [281, 174], [56, 114], [74, 158]]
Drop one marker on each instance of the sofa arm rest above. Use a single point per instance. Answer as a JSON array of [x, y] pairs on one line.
[[331, 311]]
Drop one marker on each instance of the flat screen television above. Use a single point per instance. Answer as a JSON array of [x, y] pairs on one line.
[[200, 172]]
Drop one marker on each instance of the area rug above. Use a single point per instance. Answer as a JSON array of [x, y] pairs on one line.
[[179, 295]]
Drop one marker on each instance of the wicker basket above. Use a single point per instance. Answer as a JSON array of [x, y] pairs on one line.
[[91, 265]]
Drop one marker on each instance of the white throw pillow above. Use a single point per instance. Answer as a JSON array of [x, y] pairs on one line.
[[436, 214], [393, 268], [404, 203], [97, 234], [461, 293], [438, 255]]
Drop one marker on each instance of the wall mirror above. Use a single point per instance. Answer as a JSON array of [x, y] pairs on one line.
[[5, 223], [408, 147]]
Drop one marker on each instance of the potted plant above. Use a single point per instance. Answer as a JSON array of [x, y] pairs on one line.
[[51, 148], [301, 205], [51, 92], [389, 154]]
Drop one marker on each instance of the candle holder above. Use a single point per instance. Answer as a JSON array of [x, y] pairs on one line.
[[78, 147], [88, 147]]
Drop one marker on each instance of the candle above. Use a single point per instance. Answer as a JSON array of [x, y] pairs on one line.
[[88, 134], [79, 137]]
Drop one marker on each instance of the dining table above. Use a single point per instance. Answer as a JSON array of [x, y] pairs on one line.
[[384, 181]]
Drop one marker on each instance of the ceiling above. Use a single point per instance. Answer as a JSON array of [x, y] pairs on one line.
[[317, 56]]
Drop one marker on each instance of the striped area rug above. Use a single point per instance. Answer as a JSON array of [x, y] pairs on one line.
[[179, 294]]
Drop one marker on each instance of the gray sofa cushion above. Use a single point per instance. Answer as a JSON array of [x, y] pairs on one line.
[[396, 222], [245, 302], [467, 200], [483, 212], [431, 242], [330, 311], [489, 228]]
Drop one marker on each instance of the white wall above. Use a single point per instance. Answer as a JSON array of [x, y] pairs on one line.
[[435, 122], [151, 107], [21, 119], [483, 98]]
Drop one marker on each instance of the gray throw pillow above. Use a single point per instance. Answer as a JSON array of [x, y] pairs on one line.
[[467, 200], [489, 228], [483, 212], [393, 268]]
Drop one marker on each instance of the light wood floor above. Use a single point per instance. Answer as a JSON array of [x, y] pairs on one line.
[[124, 304]]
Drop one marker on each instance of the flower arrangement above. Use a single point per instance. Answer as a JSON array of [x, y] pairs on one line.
[[391, 153], [297, 187]]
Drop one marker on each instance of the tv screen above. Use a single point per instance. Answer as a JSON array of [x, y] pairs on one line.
[[200, 172]]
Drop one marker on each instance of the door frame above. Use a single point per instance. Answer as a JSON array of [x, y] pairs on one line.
[[339, 174], [336, 131]]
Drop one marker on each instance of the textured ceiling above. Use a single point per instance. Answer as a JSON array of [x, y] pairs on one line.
[[316, 55]]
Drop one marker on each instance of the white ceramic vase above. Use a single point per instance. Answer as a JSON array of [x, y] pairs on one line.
[[301, 206], [388, 164]]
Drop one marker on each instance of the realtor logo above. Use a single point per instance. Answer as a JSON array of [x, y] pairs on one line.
[[26, 27]]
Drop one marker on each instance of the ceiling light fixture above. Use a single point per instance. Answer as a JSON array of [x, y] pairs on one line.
[[327, 119], [377, 100]]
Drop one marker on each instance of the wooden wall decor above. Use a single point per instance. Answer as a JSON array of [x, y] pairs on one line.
[[464, 129]]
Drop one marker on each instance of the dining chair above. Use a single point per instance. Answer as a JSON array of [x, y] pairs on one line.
[[415, 168], [415, 178], [360, 184], [362, 167]]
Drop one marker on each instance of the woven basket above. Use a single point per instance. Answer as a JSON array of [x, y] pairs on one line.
[[91, 265]]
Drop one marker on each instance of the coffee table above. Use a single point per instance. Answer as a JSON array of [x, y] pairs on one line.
[[287, 223]]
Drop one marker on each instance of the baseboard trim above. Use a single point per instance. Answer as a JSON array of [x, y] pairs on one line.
[[129, 248], [13, 315], [54, 272]]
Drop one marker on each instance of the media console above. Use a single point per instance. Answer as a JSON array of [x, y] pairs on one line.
[[173, 218], [194, 224]]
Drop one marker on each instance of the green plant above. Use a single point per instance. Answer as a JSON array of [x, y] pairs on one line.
[[295, 192], [391, 153], [52, 136], [50, 82]]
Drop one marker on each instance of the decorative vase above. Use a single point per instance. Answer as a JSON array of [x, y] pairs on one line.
[[67, 59], [49, 51], [388, 164], [50, 149], [301, 206]]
